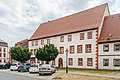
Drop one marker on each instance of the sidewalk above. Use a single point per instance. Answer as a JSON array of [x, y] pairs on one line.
[[117, 76]]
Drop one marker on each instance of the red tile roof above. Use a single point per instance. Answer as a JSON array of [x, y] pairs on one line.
[[111, 28], [84, 20]]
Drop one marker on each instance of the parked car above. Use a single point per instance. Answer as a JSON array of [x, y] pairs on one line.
[[34, 68], [24, 67], [14, 66], [47, 69], [5, 65]]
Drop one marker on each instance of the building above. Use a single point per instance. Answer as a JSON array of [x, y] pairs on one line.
[[4, 55], [23, 43], [109, 43]]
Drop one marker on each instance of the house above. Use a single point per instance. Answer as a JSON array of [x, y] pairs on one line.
[[23, 43], [4, 55], [109, 43], [79, 33]]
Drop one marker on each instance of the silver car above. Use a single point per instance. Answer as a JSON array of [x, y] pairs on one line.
[[47, 69]]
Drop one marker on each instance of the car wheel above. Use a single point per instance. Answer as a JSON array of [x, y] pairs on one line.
[[39, 74]]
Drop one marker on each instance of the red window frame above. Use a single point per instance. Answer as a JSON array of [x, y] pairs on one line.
[[70, 62], [89, 35], [79, 63], [81, 36], [42, 42], [0, 54], [86, 48], [4, 60], [71, 52], [69, 38], [78, 49], [61, 52], [88, 62], [61, 38], [34, 51], [48, 41]]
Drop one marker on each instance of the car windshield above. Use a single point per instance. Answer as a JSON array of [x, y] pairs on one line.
[[13, 64], [45, 66], [34, 66]]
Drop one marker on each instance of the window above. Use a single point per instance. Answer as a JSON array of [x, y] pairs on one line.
[[105, 62], [4, 60], [106, 47], [53, 62], [48, 41], [0, 49], [61, 50], [32, 43], [116, 47], [0, 60], [70, 61], [116, 62], [89, 35], [4, 55], [34, 51], [71, 49], [0, 54], [4, 50], [81, 36], [80, 61], [36, 43], [89, 61], [42, 42], [62, 39], [42, 62], [88, 48], [69, 38], [79, 48]]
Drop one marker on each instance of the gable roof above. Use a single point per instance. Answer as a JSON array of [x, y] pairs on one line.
[[84, 20], [111, 28]]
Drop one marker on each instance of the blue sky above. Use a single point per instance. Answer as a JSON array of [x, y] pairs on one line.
[[20, 18]]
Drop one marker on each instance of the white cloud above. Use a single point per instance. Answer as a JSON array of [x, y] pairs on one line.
[[20, 18]]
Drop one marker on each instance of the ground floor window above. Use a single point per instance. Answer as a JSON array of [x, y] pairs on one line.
[[89, 61], [105, 62], [116, 62], [53, 62], [70, 61], [80, 61]]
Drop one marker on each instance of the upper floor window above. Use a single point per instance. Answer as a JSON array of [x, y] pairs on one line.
[[48, 41], [70, 61], [69, 38], [117, 47], [36, 43], [89, 61], [0, 54], [106, 47], [72, 49], [34, 51], [0, 49], [79, 48], [105, 62], [42, 42], [81, 36], [4, 49], [61, 38], [116, 62], [61, 50], [32, 43], [80, 61], [88, 48], [89, 35], [4, 55]]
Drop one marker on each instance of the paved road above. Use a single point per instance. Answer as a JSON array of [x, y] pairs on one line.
[[9, 76]]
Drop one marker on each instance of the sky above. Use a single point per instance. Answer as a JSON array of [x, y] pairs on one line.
[[20, 18]]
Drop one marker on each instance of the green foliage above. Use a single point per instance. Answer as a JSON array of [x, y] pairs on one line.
[[47, 53], [20, 54]]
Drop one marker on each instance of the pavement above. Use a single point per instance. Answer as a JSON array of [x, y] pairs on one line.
[[24, 75]]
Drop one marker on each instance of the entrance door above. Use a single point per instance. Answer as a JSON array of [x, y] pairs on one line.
[[60, 63]]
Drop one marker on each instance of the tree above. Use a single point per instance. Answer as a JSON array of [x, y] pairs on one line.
[[20, 54], [47, 53]]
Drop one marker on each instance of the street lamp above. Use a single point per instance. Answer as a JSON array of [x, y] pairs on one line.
[[66, 60]]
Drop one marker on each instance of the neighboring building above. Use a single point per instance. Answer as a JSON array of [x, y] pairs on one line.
[[79, 33], [109, 43], [4, 55], [23, 43]]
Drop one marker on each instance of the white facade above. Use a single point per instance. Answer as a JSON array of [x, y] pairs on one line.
[[4, 55], [75, 41], [110, 55]]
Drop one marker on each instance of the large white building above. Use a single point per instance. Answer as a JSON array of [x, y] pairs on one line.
[[4, 55], [79, 33]]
